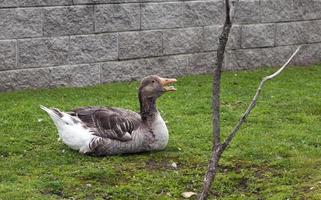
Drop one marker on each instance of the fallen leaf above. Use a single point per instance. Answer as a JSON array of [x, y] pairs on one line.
[[187, 195]]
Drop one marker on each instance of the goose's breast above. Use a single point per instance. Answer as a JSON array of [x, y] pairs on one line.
[[160, 133]]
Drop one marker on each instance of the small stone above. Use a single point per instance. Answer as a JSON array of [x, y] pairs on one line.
[[174, 165], [88, 185]]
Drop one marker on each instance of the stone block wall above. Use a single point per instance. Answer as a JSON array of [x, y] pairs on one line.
[[52, 43]]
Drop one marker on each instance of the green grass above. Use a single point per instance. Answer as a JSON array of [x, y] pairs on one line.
[[277, 154]]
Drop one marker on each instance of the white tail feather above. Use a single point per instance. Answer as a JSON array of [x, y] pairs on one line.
[[70, 130], [55, 118]]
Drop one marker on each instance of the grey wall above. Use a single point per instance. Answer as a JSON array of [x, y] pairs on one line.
[[50, 43]]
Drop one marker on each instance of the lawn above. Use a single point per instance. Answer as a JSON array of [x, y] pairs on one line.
[[277, 154]]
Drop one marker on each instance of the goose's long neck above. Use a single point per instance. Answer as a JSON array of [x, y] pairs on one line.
[[148, 108]]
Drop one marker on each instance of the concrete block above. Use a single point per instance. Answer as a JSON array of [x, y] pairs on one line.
[[43, 52], [75, 75], [247, 12], [291, 33], [162, 15], [117, 17], [201, 63], [310, 9], [103, 1], [24, 79], [245, 59], [20, 23], [254, 58], [93, 48], [259, 35], [7, 54], [313, 30], [279, 11], [140, 44], [211, 37], [182, 14], [68, 20], [274, 56], [308, 55], [202, 13], [187, 40], [25, 3], [277, 56], [169, 66], [8, 3], [7, 23]]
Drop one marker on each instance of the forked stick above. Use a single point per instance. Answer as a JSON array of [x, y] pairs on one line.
[[254, 100]]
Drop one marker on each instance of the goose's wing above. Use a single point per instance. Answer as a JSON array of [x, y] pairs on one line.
[[113, 123]]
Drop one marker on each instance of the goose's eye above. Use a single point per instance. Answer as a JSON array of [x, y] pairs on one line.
[[153, 81]]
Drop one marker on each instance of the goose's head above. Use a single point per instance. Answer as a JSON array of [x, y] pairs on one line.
[[154, 86]]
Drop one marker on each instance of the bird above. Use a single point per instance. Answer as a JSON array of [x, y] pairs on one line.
[[105, 131]]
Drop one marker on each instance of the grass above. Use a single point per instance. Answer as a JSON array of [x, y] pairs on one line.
[[275, 156]]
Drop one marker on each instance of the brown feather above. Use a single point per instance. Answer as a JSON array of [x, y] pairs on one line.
[[112, 123]]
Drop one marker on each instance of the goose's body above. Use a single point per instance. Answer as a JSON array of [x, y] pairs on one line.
[[108, 131]]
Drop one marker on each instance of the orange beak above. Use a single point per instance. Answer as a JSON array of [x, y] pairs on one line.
[[165, 83]]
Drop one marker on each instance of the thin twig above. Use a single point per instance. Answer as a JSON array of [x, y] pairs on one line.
[[254, 100]]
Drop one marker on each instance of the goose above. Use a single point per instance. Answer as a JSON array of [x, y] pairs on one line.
[[103, 131]]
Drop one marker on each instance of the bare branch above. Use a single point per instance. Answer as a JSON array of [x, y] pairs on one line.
[[217, 76], [216, 151], [253, 102]]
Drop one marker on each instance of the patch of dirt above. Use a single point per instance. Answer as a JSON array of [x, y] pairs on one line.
[[49, 191], [243, 184], [153, 164]]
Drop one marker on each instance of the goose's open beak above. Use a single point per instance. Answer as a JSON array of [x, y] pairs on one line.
[[165, 82]]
